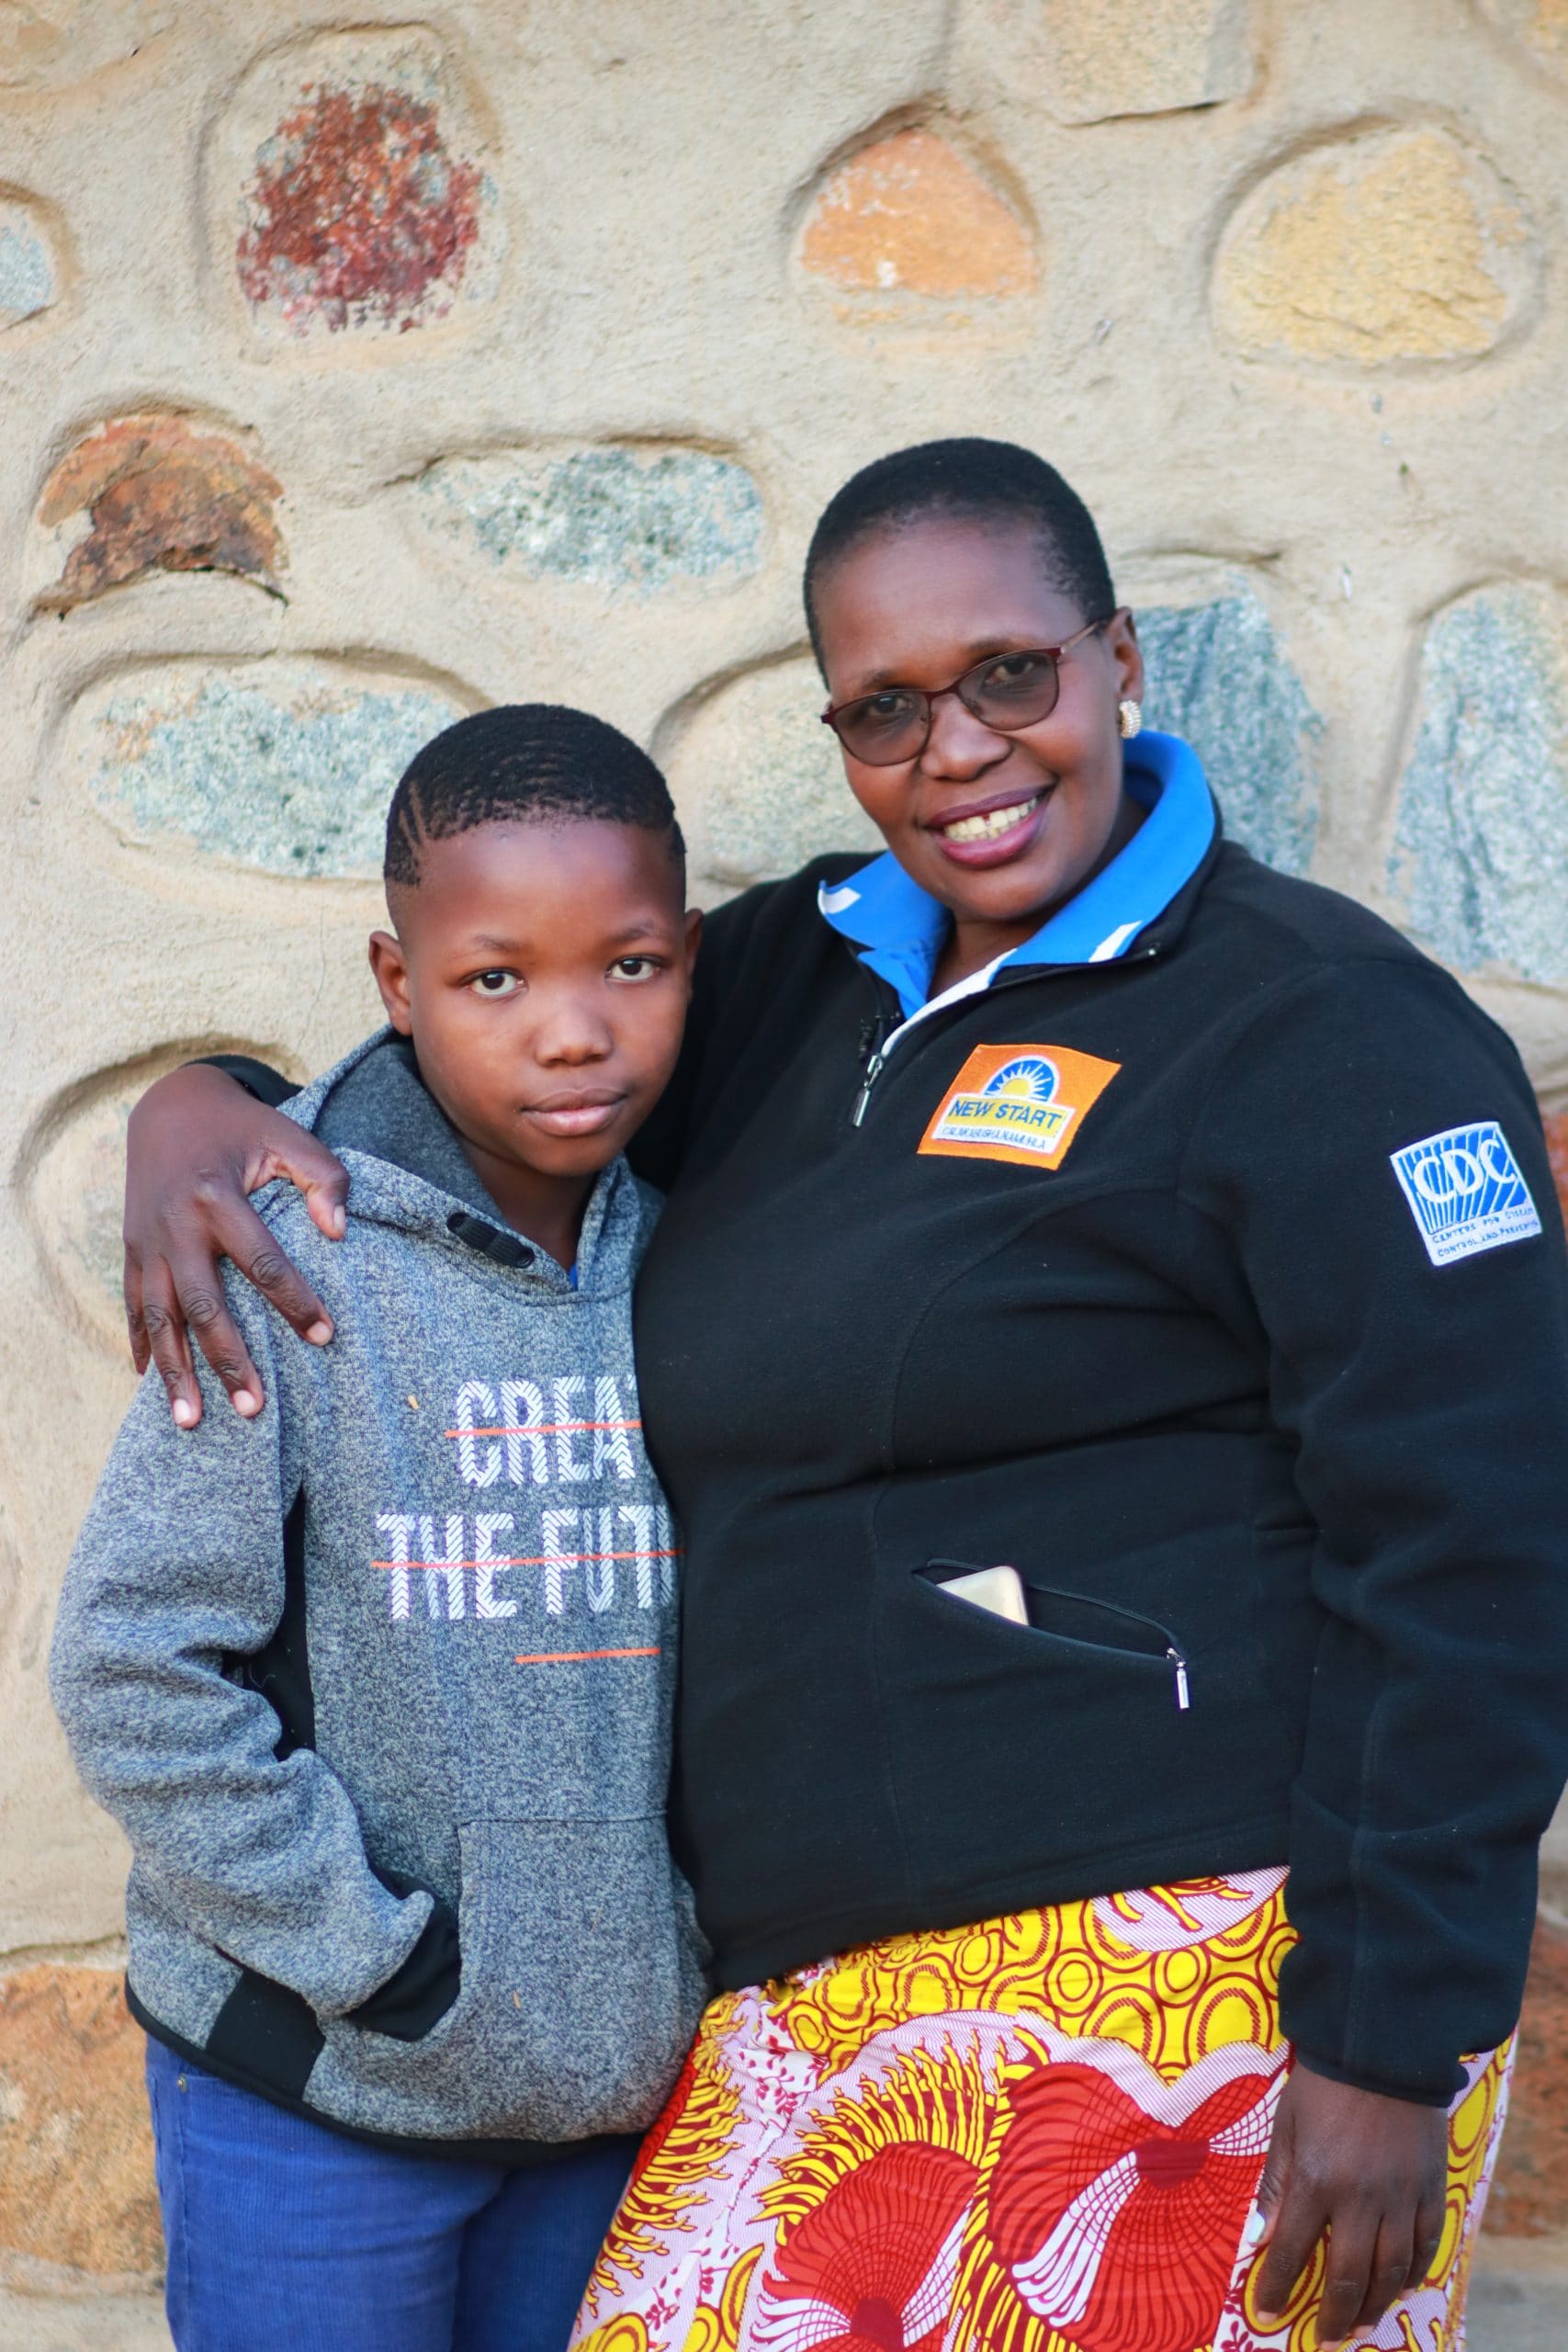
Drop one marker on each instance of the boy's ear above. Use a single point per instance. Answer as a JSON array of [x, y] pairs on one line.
[[693, 937], [391, 967]]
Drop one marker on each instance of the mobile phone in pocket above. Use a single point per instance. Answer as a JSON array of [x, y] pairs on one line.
[[999, 1590]]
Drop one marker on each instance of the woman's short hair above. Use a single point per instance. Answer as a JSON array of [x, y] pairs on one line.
[[974, 480], [523, 760]]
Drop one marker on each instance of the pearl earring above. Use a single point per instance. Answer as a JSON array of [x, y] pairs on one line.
[[1129, 718]]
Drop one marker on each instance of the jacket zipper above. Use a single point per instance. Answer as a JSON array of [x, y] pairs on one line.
[[875, 1035], [1183, 1700], [872, 1040]]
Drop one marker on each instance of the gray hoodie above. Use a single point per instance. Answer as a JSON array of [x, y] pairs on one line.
[[405, 1641]]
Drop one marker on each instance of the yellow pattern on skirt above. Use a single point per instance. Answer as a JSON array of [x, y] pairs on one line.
[[1041, 2134]]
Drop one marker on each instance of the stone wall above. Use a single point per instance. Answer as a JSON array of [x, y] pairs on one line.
[[357, 373]]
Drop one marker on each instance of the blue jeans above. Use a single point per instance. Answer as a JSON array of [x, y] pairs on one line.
[[283, 2233]]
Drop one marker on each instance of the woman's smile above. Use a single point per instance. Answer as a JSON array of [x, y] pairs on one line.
[[994, 830]]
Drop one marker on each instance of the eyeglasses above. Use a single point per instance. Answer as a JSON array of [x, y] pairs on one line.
[[1006, 691]]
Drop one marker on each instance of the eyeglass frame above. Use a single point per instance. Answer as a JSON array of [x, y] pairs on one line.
[[933, 695]]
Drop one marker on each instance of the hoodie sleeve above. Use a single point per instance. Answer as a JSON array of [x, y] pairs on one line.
[[178, 1569], [1373, 1162]]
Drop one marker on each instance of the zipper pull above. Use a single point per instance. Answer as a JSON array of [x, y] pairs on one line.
[[1183, 1700], [872, 1071]]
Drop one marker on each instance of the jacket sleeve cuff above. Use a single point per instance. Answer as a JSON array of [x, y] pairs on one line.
[[269, 1085], [1332, 2073], [417, 1995]]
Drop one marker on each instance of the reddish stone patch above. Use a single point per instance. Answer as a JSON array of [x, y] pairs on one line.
[[162, 496], [75, 2143], [907, 215], [1557, 1145], [1529, 2193], [359, 212]]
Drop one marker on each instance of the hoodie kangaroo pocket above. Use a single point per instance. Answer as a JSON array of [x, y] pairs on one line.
[[582, 1982]]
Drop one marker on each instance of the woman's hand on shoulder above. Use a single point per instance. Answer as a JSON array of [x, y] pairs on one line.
[[1371, 2170], [198, 1145]]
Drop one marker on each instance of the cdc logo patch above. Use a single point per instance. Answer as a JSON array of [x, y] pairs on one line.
[[1465, 1191]]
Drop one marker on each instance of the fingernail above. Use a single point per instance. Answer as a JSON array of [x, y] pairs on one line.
[[243, 1402], [184, 1412], [1257, 2223], [319, 1333], [339, 1221]]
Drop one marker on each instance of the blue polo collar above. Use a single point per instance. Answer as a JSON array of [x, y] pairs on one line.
[[899, 928]]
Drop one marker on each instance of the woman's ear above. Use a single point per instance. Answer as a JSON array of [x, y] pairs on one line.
[[1126, 658], [391, 967], [693, 938]]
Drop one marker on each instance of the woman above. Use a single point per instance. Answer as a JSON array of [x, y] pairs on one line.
[[1064, 1195]]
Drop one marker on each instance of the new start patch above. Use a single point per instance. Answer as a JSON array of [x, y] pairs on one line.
[[1017, 1103]]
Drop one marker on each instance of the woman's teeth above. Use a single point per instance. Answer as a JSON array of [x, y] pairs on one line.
[[992, 826]]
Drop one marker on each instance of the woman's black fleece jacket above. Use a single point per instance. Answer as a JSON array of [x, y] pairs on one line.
[[1201, 1381], [1261, 1422]]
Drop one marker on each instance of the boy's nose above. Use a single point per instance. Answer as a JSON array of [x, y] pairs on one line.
[[571, 1033]]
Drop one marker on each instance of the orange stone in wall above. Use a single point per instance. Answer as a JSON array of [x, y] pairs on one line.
[[161, 494], [75, 2144], [908, 215]]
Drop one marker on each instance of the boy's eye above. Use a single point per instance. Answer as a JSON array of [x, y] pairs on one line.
[[494, 983], [636, 967]]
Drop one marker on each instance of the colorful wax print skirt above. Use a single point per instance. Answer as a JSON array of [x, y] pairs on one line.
[[1043, 2134]]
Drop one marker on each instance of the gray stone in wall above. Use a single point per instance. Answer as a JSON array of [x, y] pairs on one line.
[[613, 518], [76, 1200], [30, 280], [763, 779], [1479, 858], [286, 766], [1218, 675]]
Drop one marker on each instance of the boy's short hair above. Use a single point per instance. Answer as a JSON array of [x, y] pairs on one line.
[[972, 481], [520, 763]]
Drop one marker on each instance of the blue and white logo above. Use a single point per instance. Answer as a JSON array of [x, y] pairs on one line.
[[1465, 1191], [1031, 1079]]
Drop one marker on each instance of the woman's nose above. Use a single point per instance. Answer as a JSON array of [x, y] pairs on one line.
[[959, 744]]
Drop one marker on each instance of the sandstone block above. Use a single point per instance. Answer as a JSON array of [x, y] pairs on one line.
[[907, 216], [609, 517], [30, 268], [1218, 675], [353, 192], [1397, 245], [76, 2186], [285, 765], [1540, 25], [1479, 858], [1124, 57], [45, 43], [160, 493], [763, 779]]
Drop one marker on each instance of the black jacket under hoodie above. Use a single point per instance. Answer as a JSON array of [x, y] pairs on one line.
[[1201, 1382]]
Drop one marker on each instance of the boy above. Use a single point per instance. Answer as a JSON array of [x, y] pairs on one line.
[[379, 1683]]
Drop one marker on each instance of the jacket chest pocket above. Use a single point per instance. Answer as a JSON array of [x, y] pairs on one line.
[[1075, 1618]]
